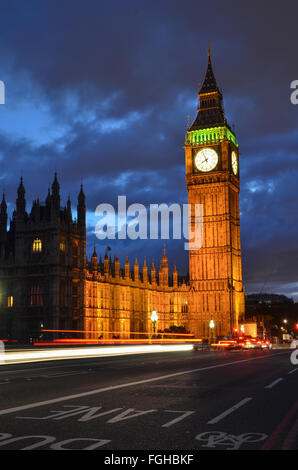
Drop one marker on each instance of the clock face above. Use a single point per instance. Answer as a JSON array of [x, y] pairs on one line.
[[234, 162], [206, 159]]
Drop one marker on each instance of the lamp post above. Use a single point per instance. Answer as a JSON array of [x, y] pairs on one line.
[[154, 318], [211, 326]]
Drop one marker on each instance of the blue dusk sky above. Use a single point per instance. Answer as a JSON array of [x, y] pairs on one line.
[[100, 92]]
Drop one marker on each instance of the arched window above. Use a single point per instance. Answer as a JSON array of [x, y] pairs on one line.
[[37, 245], [36, 298]]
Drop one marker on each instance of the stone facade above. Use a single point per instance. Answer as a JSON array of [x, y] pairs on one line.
[[46, 281], [120, 303], [212, 180]]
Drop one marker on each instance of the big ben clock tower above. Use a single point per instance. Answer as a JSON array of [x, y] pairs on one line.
[[212, 179]]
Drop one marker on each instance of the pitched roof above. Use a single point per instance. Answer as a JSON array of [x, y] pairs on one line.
[[209, 84]]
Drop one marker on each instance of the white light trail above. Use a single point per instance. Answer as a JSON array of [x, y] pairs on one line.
[[79, 353]]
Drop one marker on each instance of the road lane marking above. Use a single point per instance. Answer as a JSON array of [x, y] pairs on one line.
[[61, 374], [291, 438], [229, 411], [291, 371], [93, 362], [7, 439], [230, 441], [125, 385], [275, 382], [281, 428], [184, 415], [89, 413]]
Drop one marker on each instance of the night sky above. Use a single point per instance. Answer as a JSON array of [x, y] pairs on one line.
[[100, 92]]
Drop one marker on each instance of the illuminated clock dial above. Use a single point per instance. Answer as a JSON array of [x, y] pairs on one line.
[[234, 162], [206, 159]]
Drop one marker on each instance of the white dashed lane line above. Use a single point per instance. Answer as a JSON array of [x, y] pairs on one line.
[[244, 401], [229, 411], [275, 382], [129, 384]]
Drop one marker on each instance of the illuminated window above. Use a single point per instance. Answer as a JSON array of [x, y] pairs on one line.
[[62, 245], [37, 246], [10, 301], [36, 298]]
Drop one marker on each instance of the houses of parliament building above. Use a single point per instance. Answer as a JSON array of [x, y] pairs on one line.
[[46, 281]]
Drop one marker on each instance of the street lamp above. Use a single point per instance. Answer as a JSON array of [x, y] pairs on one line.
[[154, 318], [211, 326]]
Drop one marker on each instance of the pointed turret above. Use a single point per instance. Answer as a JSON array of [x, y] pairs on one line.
[[136, 270], [126, 268], [56, 193], [81, 208], [68, 210], [3, 205], [175, 277], [164, 261], [210, 108], [94, 261], [153, 274], [117, 266], [163, 274], [106, 264], [21, 202], [145, 272], [209, 83]]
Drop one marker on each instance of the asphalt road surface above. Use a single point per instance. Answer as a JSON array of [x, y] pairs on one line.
[[179, 400]]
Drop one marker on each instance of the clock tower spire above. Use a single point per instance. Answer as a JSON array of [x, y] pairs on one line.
[[212, 180], [210, 106]]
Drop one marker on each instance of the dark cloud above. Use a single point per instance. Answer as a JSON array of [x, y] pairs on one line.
[[101, 91]]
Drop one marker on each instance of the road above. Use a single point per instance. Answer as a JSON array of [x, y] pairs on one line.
[[179, 400]]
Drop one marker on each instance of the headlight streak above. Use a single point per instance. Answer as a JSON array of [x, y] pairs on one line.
[[80, 353]]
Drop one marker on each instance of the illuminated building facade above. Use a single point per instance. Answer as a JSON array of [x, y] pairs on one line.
[[212, 179], [41, 259], [46, 281], [121, 301]]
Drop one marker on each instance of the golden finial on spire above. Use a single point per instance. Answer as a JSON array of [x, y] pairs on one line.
[[209, 49]]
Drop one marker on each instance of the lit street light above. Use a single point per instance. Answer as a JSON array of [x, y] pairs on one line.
[[154, 318], [211, 326]]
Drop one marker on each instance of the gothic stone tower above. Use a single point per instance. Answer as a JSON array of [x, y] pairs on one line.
[[42, 263], [212, 179]]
